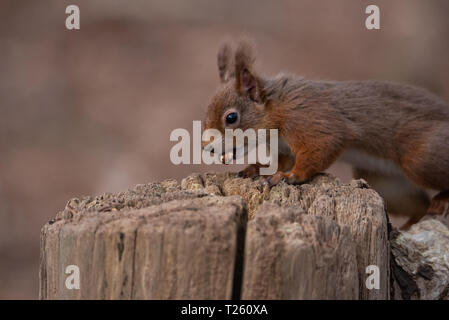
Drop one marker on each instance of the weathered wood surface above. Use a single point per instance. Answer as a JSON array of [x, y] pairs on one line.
[[220, 237], [184, 248], [420, 260]]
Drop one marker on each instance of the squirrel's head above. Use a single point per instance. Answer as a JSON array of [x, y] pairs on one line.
[[239, 101]]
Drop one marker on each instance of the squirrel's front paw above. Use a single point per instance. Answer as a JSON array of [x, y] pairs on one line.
[[249, 172], [288, 177], [274, 179]]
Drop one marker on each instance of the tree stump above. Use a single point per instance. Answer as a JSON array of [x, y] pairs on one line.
[[219, 236]]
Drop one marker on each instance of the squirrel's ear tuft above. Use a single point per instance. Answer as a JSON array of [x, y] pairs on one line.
[[225, 61], [246, 81]]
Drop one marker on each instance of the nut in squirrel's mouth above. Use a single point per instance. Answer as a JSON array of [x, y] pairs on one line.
[[228, 157]]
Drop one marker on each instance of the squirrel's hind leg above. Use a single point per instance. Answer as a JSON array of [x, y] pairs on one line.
[[439, 205]]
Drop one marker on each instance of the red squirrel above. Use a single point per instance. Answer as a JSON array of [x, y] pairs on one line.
[[399, 131]]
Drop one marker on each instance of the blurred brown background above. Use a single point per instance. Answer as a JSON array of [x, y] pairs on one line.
[[90, 111]]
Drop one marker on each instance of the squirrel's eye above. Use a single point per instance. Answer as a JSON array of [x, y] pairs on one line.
[[231, 118]]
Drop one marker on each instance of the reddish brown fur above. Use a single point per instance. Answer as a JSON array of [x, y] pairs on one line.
[[320, 119]]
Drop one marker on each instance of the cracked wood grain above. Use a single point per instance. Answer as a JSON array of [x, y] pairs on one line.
[[218, 236]]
